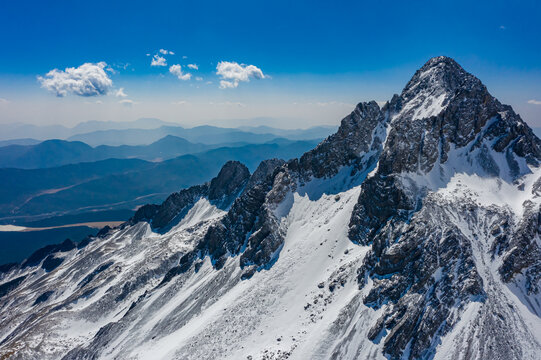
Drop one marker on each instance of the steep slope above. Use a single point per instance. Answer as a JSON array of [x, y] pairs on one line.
[[428, 252], [411, 233]]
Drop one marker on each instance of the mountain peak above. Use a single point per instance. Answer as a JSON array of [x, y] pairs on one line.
[[229, 182], [442, 59], [444, 108], [436, 81], [443, 64]]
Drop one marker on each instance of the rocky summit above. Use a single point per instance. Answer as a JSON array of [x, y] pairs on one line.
[[410, 233]]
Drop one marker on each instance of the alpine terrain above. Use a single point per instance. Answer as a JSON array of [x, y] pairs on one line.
[[413, 232]]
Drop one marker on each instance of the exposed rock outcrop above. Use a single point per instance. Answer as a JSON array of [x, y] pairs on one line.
[[411, 233]]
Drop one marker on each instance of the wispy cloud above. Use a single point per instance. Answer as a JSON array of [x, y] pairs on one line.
[[88, 79], [4, 101], [177, 71], [119, 66], [233, 73], [180, 102], [158, 60], [120, 93], [127, 102], [166, 52], [228, 103], [534, 102], [193, 66], [110, 69]]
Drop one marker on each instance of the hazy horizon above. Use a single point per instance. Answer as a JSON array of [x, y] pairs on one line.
[[139, 123]]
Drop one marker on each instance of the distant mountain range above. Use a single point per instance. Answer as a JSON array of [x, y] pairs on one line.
[[20, 130], [51, 153], [200, 134], [22, 141], [121, 183], [147, 131], [309, 133], [49, 172]]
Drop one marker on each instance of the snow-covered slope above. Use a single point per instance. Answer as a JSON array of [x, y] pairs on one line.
[[413, 232]]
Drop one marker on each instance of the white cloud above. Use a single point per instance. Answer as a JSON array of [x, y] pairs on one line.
[[86, 80], [232, 73], [198, 78], [166, 52], [534, 102], [158, 60], [184, 57], [228, 103], [127, 102], [177, 71], [193, 66], [502, 27], [228, 84], [180, 102], [4, 101], [119, 66], [110, 69], [120, 93]]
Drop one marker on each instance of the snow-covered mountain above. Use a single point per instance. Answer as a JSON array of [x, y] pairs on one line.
[[411, 233]]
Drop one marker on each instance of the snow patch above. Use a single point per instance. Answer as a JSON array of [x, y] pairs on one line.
[[12, 228]]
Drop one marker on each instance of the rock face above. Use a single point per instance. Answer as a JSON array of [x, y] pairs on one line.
[[221, 191], [246, 224], [357, 142], [520, 248], [411, 233], [442, 115], [443, 108], [225, 187]]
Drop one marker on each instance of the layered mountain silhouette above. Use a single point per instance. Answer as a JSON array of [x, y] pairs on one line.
[[113, 184], [52, 153]]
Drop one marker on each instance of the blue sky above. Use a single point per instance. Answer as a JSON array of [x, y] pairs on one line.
[[317, 59]]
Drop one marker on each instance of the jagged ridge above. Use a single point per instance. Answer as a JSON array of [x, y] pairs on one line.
[[434, 261]]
